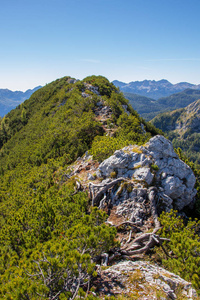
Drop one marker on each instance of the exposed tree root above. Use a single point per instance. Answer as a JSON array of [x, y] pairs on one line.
[[129, 223], [145, 241], [152, 193], [139, 245], [103, 189], [102, 202], [78, 188]]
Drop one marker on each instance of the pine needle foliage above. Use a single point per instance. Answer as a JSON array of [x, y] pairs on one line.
[[184, 246], [49, 236]]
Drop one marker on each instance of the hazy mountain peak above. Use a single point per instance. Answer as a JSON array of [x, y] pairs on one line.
[[10, 99], [154, 89]]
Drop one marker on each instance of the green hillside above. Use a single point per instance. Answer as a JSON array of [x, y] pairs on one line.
[[183, 128], [49, 235], [149, 108], [180, 100]]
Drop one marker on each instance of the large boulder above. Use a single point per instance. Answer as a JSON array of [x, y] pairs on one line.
[[155, 163], [176, 177]]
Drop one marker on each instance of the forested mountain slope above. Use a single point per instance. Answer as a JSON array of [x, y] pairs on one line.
[[149, 108], [52, 231], [183, 128]]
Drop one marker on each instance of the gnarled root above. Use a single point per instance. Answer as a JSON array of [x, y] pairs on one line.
[[145, 241], [140, 245], [103, 189]]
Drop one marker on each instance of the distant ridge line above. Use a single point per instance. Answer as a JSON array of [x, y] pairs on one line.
[[154, 89]]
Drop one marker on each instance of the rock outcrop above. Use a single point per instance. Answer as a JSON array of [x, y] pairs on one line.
[[142, 280], [134, 185], [155, 164], [136, 178]]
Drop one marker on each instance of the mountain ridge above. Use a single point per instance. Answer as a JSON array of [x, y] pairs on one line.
[[148, 108], [154, 89], [10, 99], [83, 179]]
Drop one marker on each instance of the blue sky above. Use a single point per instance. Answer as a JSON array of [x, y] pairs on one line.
[[128, 40]]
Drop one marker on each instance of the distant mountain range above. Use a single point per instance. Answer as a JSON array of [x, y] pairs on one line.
[[154, 89], [9, 99], [148, 108]]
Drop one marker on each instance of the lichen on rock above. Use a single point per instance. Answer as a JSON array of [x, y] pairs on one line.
[[134, 163], [142, 280]]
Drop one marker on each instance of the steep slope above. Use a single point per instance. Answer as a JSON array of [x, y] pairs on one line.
[[140, 103], [154, 89], [61, 115], [9, 99], [149, 108], [183, 128], [180, 100]]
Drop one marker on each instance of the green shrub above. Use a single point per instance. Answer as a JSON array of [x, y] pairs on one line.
[[104, 146], [154, 167], [105, 87], [184, 246], [113, 174]]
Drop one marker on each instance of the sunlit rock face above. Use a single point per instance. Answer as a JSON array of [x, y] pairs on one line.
[[144, 280], [154, 164], [176, 177]]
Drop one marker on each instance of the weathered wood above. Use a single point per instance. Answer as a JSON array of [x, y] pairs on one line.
[[102, 202], [96, 198], [126, 223], [152, 192]]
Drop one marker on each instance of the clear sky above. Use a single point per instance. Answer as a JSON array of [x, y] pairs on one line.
[[127, 40]]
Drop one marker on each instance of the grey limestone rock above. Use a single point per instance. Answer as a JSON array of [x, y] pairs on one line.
[[173, 186], [133, 210], [118, 279], [119, 160], [144, 174], [72, 80], [172, 175], [90, 177], [125, 107], [176, 177], [159, 146], [85, 95], [92, 88]]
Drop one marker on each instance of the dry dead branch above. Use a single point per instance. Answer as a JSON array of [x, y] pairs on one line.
[[103, 189], [145, 241]]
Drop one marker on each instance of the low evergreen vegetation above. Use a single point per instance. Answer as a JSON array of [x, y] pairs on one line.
[[50, 237], [183, 248]]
